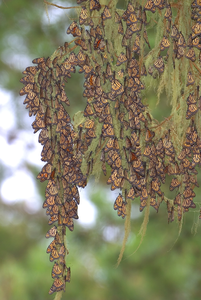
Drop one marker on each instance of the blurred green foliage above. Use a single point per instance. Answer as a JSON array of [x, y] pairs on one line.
[[166, 266]]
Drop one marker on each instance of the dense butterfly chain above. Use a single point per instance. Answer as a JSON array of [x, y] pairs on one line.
[[117, 123]]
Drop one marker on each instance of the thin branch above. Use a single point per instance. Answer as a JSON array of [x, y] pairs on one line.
[[58, 6]]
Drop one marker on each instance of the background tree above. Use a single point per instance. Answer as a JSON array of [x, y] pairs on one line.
[[135, 275]]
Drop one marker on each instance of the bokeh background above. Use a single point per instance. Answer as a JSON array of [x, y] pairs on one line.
[[168, 263]]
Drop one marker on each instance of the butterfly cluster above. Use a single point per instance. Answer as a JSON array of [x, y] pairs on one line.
[[45, 98], [112, 87], [118, 134]]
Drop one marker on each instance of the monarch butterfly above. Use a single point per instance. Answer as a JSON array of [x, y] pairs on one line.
[[38, 60], [69, 223], [196, 43], [51, 232], [174, 33], [174, 184], [149, 135], [52, 210], [90, 134], [110, 145], [112, 155], [89, 124], [32, 70], [132, 19], [99, 44], [165, 43], [170, 209], [124, 41], [143, 204], [190, 79], [95, 5], [150, 6], [54, 255], [67, 276], [81, 43], [117, 162], [134, 28], [73, 214], [27, 79], [120, 28], [186, 204], [81, 57], [188, 192], [121, 59], [153, 203], [76, 194], [98, 31], [50, 201], [53, 219], [196, 30], [143, 70], [125, 15], [181, 41], [51, 247], [153, 149], [159, 64], [62, 251], [191, 99], [122, 211], [83, 16], [74, 29], [193, 180], [58, 285], [117, 182], [191, 111], [70, 204], [117, 87], [106, 14], [119, 205], [136, 45], [135, 140], [195, 142], [196, 158], [45, 172], [56, 271], [155, 185], [117, 17], [159, 147], [147, 152], [130, 9], [132, 72], [131, 193], [180, 52], [88, 111], [51, 188], [159, 3], [150, 70], [144, 194], [26, 90], [179, 212], [177, 200], [191, 55]]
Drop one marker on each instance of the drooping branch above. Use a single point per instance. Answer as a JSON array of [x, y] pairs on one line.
[[116, 132]]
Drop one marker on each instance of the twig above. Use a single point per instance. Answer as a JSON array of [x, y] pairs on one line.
[[58, 6]]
